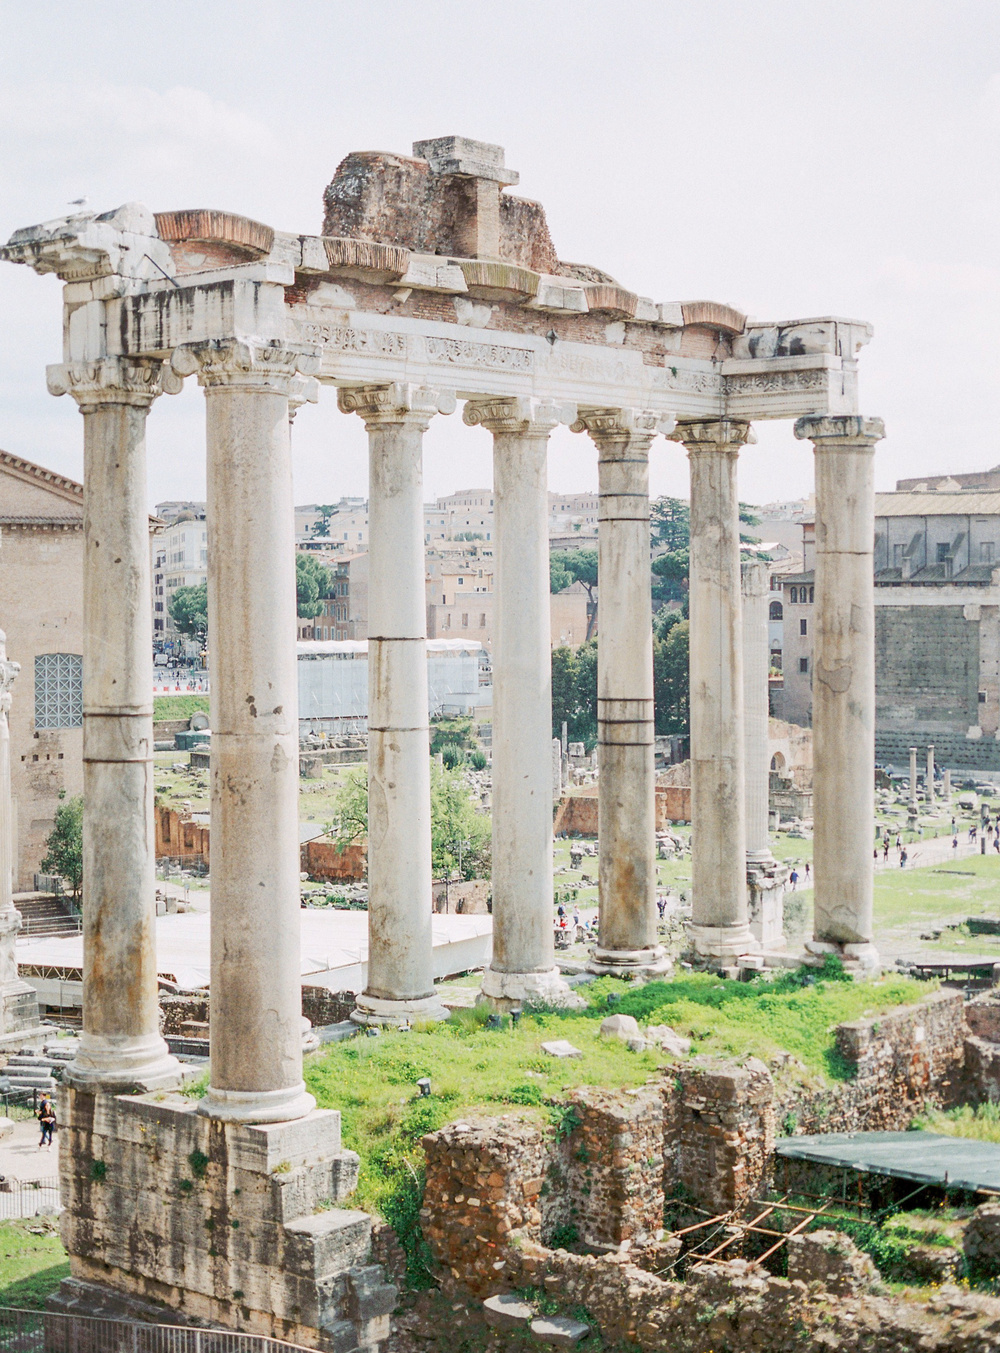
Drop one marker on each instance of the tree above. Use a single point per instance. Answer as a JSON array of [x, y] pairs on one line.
[[189, 610], [671, 680], [460, 832], [574, 693], [670, 533], [580, 566], [326, 511], [64, 855], [312, 584]]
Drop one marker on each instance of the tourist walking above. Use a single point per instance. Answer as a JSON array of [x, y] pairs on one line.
[[793, 879], [47, 1121]]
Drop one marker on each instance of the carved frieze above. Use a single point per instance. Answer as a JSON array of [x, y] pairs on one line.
[[467, 352], [775, 382], [379, 342]]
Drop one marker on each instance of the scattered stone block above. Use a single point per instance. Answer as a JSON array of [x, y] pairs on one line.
[[620, 1026], [981, 1241], [669, 1040], [561, 1047], [559, 1330], [831, 1258], [505, 1311]]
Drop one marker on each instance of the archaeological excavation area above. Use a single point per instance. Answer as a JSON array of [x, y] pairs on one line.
[[633, 1189]]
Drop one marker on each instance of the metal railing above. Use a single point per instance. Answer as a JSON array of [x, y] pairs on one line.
[[52, 1332], [28, 1198]]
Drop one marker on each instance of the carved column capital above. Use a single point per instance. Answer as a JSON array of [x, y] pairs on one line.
[[515, 414], [260, 367], [624, 429], [136, 381], [401, 402], [717, 434], [839, 429]]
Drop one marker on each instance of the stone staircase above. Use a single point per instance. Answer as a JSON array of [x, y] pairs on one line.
[[38, 1070], [46, 914]]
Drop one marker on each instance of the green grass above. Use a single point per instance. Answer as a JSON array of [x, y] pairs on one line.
[[981, 1122], [178, 706], [31, 1266], [372, 1081]]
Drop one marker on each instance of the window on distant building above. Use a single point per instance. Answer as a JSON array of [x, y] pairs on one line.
[[58, 690], [982, 697], [795, 596], [803, 664], [812, 594], [943, 553], [986, 552], [776, 611], [482, 620], [465, 620], [803, 626]]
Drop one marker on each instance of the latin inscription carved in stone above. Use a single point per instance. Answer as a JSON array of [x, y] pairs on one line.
[[339, 336], [463, 352]]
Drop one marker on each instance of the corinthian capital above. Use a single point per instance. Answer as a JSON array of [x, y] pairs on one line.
[[245, 364], [519, 415], [632, 429], [717, 434], [839, 430], [113, 380], [400, 402], [8, 674]]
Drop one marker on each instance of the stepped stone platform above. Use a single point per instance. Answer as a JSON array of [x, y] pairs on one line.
[[188, 1219]]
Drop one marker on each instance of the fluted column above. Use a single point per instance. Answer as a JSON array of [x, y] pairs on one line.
[[844, 685], [400, 954], [18, 1003], [120, 1044], [256, 1035], [625, 753], [720, 920], [523, 963]]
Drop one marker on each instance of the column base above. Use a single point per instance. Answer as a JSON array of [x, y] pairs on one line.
[[377, 1011], [123, 1064], [766, 879], [860, 960], [654, 962], [722, 941], [257, 1106], [506, 991]]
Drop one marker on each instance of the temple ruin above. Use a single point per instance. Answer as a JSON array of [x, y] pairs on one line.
[[430, 283]]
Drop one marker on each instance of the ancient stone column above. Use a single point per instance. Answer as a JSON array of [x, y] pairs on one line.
[[256, 1035], [400, 954], [523, 963], [929, 786], [120, 1044], [765, 876], [720, 927], [626, 768], [844, 685], [913, 779], [18, 1003]]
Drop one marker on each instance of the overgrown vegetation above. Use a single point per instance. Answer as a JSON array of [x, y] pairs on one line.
[[189, 610], [472, 1067], [982, 1122]]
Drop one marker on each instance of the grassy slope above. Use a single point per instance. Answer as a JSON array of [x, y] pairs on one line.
[[373, 1081], [178, 706], [31, 1266]]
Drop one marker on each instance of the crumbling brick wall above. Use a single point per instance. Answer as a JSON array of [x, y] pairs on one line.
[[608, 1169], [898, 1064], [180, 839], [322, 1007], [324, 861], [718, 1131]]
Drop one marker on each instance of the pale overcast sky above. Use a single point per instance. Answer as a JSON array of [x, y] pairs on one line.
[[792, 157]]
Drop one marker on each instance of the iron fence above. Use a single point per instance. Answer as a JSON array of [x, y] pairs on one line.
[[52, 1332], [28, 1198]]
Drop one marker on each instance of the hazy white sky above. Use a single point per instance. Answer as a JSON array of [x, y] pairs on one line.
[[793, 157]]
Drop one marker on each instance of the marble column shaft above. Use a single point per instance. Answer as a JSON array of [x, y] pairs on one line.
[[929, 787], [523, 963], [719, 924], [844, 683], [913, 777], [755, 577], [625, 744], [256, 1036], [120, 1043], [400, 952]]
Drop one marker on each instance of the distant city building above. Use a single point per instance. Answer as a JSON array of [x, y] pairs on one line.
[[41, 612], [180, 559], [937, 624]]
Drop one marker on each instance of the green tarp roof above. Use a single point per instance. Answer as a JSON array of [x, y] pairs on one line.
[[926, 1157]]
